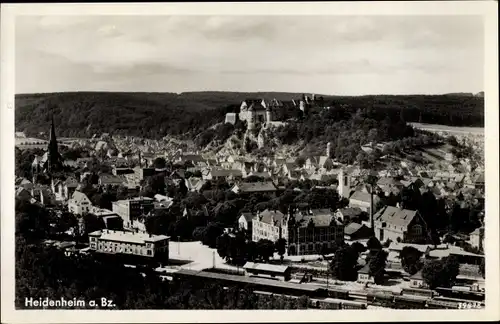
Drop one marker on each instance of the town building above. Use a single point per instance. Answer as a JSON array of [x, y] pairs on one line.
[[417, 281], [269, 225], [355, 231], [310, 231], [363, 200], [273, 271], [121, 242], [79, 203], [346, 215], [398, 224], [245, 221], [476, 238], [130, 209], [265, 187], [364, 275]]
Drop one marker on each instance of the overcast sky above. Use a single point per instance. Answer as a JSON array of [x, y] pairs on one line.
[[347, 55]]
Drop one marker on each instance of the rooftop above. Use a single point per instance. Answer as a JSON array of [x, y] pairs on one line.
[[128, 237], [265, 267]]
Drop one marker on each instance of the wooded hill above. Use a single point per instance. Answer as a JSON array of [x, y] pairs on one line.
[[154, 115]]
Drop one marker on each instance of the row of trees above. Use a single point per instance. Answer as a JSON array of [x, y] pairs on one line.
[[237, 249]]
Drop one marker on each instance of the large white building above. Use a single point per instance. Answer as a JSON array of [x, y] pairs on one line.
[[130, 209], [269, 225], [121, 242]]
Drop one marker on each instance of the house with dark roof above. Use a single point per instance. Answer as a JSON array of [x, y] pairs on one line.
[[216, 174], [355, 231], [112, 180], [397, 223], [265, 187], [348, 213], [312, 230], [23, 194]]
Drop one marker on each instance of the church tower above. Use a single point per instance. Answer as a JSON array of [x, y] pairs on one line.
[[54, 159], [344, 187]]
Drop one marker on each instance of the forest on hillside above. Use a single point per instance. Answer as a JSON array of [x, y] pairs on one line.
[[154, 115]]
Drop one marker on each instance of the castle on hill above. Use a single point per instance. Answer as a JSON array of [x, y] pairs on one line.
[[261, 112]]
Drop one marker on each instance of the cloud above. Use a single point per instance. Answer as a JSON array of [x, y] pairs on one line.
[[106, 50]]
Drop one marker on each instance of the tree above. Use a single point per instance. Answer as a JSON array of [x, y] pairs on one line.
[[159, 163], [265, 249], [198, 233], [281, 247], [183, 228], [373, 244], [343, 265], [252, 251], [377, 266], [410, 259], [212, 231], [358, 247], [222, 245], [440, 273]]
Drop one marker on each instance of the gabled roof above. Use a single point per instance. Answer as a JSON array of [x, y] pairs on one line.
[[363, 196], [395, 216], [265, 267], [350, 211], [352, 228], [267, 216], [78, 197], [110, 178], [226, 173], [71, 182], [257, 186], [318, 217], [248, 216], [324, 160]]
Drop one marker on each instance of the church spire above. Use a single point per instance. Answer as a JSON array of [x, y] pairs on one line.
[[53, 158]]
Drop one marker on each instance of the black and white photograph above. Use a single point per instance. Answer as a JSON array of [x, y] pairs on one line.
[[250, 157]]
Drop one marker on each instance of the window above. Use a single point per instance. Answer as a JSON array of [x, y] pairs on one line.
[[149, 252]]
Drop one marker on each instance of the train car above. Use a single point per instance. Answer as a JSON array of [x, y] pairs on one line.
[[417, 292], [380, 298], [410, 302], [335, 293], [273, 286], [461, 294], [461, 303], [441, 304]]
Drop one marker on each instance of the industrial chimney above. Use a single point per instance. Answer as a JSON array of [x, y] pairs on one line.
[[372, 225]]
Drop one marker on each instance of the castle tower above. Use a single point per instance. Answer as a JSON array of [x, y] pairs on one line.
[[269, 114], [252, 117], [344, 187], [302, 106], [54, 159]]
